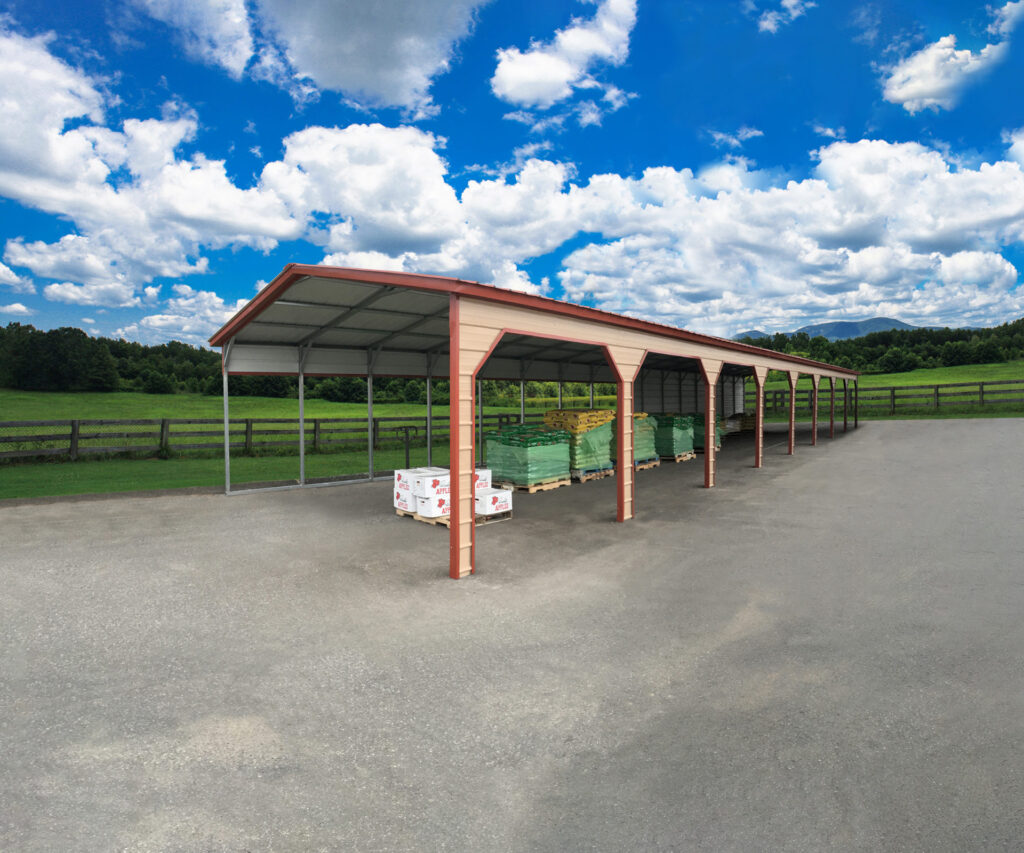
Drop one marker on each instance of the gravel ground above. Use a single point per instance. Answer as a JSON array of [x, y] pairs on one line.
[[825, 654]]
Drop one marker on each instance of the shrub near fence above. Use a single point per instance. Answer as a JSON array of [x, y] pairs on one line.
[[891, 400], [252, 436]]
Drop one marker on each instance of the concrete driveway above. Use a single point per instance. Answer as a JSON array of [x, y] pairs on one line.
[[826, 654]]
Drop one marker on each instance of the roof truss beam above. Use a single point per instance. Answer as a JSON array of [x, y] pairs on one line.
[[348, 312]]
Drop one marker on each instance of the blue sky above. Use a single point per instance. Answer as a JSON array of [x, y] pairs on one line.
[[719, 166]]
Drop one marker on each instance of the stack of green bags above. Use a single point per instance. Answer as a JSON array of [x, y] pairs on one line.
[[527, 454], [591, 450], [644, 435], [698, 432], [644, 429], [674, 434]]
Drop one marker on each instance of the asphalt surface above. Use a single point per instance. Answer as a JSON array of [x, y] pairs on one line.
[[826, 654]]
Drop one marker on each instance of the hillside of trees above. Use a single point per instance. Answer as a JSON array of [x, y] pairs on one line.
[[67, 359], [901, 350]]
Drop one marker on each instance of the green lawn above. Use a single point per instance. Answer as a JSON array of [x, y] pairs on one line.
[[94, 476], [932, 376], [42, 405], [36, 479]]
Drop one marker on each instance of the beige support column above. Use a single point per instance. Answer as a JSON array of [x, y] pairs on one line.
[[816, 378], [470, 344], [711, 370], [846, 402], [625, 363], [794, 377], [760, 375]]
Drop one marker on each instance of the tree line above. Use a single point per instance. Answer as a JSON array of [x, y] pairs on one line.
[[900, 350], [67, 359]]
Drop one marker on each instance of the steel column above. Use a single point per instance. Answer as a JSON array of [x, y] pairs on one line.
[[430, 411], [227, 423], [814, 408], [522, 401], [591, 394], [302, 427], [856, 404], [793, 379], [846, 401], [832, 407], [369, 413], [480, 403]]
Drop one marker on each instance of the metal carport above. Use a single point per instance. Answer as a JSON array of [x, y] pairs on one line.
[[328, 321]]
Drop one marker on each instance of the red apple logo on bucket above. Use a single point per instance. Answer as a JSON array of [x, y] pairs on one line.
[[435, 484], [494, 500], [440, 503]]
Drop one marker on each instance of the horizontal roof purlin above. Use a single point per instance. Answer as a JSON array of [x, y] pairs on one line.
[[440, 284]]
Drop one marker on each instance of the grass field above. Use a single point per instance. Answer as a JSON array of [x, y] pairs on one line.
[[52, 478], [95, 476], [931, 376]]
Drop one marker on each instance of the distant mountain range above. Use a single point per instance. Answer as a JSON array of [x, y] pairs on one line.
[[841, 329]]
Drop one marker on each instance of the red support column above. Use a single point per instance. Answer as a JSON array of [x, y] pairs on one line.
[[711, 371], [846, 401], [832, 407], [760, 374], [793, 379], [814, 408]]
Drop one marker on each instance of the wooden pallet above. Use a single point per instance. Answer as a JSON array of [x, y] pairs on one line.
[[647, 464], [701, 449], [595, 474], [543, 486], [681, 457], [446, 520]]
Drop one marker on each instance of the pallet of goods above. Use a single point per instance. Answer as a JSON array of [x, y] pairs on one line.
[[528, 457], [673, 436], [698, 433], [643, 440], [425, 495], [590, 440]]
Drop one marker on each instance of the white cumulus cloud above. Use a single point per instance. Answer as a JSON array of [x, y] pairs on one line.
[[547, 73], [213, 31], [734, 140], [772, 20], [15, 309], [936, 76], [381, 53], [9, 278]]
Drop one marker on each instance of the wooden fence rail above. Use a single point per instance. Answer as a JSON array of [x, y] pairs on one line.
[[79, 437], [894, 398]]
